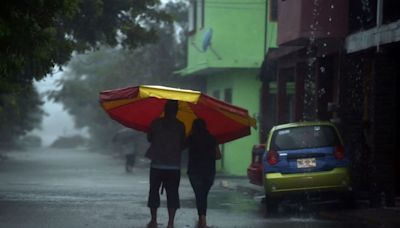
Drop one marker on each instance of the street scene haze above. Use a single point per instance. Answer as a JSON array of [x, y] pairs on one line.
[[199, 113]]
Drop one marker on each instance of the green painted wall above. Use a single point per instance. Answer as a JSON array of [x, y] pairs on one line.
[[272, 30], [238, 39], [245, 93], [238, 46]]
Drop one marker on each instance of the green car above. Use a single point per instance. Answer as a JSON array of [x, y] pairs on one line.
[[305, 158]]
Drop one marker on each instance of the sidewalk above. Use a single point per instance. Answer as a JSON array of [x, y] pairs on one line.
[[239, 183], [377, 217]]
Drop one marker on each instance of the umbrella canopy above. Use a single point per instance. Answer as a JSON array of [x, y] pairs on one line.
[[136, 107]]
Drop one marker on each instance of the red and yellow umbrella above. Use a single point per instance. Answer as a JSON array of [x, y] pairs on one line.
[[136, 107]]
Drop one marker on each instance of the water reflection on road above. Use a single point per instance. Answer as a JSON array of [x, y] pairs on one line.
[[78, 188]]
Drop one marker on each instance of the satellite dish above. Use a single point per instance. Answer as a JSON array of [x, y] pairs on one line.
[[207, 39]]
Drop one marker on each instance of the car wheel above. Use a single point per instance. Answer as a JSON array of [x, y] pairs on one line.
[[348, 200], [272, 204]]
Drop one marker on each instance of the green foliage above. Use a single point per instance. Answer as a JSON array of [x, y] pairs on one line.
[[38, 35], [20, 112], [30, 141], [69, 142], [30, 42], [108, 68]]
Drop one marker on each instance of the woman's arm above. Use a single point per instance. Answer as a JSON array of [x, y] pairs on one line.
[[218, 154]]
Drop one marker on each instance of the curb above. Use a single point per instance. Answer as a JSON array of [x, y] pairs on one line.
[[241, 185], [383, 217]]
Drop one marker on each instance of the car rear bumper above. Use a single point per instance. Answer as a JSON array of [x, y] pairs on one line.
[[336, 180], [254, 174]]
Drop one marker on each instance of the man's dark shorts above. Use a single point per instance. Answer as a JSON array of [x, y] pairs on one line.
[[170, 180]]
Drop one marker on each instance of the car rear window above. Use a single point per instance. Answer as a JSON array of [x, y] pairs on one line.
[[304, 137]]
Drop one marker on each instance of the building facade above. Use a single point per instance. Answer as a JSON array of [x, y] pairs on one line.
[[336, 61], [370, 97], [226, 45]]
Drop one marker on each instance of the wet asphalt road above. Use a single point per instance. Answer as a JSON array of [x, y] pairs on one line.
[[77, 188]]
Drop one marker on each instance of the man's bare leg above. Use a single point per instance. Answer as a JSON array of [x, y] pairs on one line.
[[171, 217], [153, 221]]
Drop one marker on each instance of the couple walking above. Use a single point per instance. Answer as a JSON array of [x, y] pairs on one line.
[[167, 140]]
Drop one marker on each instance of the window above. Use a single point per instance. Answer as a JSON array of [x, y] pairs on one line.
[[200, 8], [216, 94], [192, 17], [271, 110], [290, 103], [304, 137], [273, 10], [228, 95]]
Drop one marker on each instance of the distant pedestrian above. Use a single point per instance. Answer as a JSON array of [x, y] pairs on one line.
[[203, 151], [130, 161], [166, 137]]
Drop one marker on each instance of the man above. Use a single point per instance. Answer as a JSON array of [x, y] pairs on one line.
[[167, 138]]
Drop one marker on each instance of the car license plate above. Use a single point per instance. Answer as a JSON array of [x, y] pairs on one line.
[[306, 162]]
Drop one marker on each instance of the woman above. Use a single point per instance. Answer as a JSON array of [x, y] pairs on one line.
[[203, 151]]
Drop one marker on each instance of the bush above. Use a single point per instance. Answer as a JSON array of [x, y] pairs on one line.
[[30, 141], [69, 141]]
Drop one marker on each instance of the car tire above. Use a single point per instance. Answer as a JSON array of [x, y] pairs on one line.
[[271, 204], [349, 200]]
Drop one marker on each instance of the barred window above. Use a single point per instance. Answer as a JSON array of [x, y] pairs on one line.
[[273, 10], [192, 16]]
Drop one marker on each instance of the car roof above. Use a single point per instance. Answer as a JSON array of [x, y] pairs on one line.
[[302, 124]]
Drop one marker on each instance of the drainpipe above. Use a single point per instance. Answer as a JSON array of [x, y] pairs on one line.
[[265, 27], [281, 97], [379, 21], [379, 13]]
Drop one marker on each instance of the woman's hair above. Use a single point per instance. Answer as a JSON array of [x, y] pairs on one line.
[[199, 125]]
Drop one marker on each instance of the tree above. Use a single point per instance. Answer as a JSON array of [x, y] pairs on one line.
[[20, 113], [107, 68], [38, 35]]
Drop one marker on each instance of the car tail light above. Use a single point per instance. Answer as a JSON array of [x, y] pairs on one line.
[[272, 157], [339, 152], [258, 151]]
